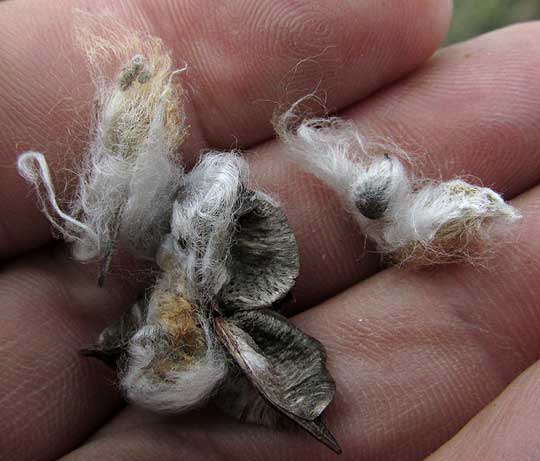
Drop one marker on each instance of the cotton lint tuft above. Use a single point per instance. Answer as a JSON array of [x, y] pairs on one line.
[[412, 221], [129, 176], [172, 362]]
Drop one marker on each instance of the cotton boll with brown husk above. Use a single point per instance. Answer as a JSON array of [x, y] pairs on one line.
[[227, 243], [173, 361], [129, 176], [164, 351], [208, 328], [412, 221], [445, 222]]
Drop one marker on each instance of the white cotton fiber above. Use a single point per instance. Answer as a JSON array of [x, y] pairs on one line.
[[173, 361], [171, 389], [129, 177], [203, 224], [33, 167], [412, 221], [444, 221]]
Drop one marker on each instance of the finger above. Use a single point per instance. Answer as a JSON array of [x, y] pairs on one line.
[[241, 55], [414, 355], [471, 110], [41, 123], [330, 248], [506, 429], [51, 397]]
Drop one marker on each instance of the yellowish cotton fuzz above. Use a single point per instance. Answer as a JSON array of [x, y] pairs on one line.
[[130, 175], [129, 99], [178, 318]]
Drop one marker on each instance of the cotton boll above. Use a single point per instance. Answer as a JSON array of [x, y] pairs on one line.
[[447, 221], [411, 223], [173, 361], [129, 177]]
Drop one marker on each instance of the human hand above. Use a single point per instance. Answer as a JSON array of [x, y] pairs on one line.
[[415, 354]]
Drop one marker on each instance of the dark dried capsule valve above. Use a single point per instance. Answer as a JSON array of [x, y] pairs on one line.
[[285, 365]]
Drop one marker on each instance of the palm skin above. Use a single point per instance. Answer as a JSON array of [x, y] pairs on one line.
[[415, 355]]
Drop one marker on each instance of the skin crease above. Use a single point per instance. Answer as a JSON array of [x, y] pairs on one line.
[[415, 354], [511, 418]]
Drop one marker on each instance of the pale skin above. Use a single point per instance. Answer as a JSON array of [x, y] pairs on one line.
[[438, 364]]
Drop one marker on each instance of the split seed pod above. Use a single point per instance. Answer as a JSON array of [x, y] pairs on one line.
[[230, 257], [227, 253]]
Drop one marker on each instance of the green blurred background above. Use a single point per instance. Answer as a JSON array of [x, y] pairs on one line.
[[474, 17]]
